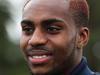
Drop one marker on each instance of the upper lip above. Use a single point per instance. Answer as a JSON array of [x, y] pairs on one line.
[[39, 53]]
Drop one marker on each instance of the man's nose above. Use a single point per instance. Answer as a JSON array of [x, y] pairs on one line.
[[38, 38]]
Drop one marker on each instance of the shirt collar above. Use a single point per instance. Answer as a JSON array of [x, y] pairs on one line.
[[79, 68]]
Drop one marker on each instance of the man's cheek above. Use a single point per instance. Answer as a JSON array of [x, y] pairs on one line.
[[59, 53], [24, 42]]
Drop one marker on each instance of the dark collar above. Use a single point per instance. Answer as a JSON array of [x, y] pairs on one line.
[[82, 68]]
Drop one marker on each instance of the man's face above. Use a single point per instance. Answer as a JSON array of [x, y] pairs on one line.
[[48, 36]]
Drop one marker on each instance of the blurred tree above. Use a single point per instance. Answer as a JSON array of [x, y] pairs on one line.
[[4, 16], [94, 62], [9, 52]]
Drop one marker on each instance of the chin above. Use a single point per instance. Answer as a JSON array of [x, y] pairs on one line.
[[40, 70], [47, 71]]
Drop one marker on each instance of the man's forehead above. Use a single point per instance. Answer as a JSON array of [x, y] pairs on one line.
[[78, 5], [57, 6], [27, 1], [46, 2], [46, 7]]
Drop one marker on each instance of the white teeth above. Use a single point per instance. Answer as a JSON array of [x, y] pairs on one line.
[[44, 56]]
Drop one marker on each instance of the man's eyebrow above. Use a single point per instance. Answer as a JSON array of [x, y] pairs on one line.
[[49, 21], [28, 22]]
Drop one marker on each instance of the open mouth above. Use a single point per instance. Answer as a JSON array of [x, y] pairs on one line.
[[40, 57]]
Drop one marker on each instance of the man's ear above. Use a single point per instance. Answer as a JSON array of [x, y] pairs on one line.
[[83, 37]]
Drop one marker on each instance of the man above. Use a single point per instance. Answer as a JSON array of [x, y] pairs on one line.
[[53, 35]]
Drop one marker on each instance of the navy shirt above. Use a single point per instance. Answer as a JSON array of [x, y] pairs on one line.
[[83, 69]]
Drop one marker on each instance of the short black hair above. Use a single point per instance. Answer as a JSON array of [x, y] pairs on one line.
[[80, 12]]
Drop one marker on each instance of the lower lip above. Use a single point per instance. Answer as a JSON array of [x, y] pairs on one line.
[[39, 60]]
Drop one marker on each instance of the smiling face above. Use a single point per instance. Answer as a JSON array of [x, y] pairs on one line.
[[49, 37]]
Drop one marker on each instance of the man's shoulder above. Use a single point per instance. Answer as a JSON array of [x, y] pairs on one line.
[[96, 73], [83, 69]]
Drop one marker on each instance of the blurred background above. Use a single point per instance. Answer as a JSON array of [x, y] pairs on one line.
[[11, 60]]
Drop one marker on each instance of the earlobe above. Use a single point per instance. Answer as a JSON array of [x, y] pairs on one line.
[[83, 37]]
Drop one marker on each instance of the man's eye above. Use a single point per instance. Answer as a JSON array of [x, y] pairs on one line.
[[27, 30], [53, 29]]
